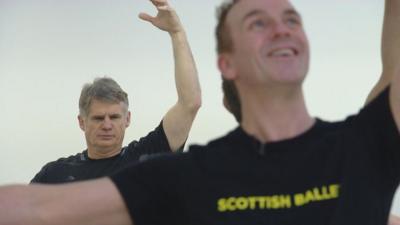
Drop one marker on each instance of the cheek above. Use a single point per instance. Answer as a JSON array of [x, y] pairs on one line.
[[305, 43], [91, 132], [121, 127], [91, 129], [250, 44]]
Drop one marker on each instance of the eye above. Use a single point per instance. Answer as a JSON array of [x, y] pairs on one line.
[[115, 117], [97, 118], [293, 21], [257, 24]]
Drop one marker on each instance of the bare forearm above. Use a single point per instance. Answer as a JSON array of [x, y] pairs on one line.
[[15, 207], [186, 76], [86, 203]]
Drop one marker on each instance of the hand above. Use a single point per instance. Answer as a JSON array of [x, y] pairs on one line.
[[394, 220], [166, 19]]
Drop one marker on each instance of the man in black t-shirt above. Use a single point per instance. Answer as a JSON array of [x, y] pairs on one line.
[[104, 116], [280, 167], [232, 103]]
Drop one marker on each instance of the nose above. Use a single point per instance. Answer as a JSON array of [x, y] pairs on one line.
[[280, 30], [107, 124]]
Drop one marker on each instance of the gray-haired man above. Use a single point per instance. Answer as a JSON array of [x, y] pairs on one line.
[[104, 115]]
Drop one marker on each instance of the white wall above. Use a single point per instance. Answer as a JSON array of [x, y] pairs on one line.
[[49, 48]]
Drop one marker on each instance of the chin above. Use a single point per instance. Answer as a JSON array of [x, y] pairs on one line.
[[289, 77], [106, 144]]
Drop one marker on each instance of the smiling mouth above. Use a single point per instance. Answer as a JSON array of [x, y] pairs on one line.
[[283, 52]]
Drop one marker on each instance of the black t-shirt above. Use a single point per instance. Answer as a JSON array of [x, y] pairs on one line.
[[334, 173], [80, 167]]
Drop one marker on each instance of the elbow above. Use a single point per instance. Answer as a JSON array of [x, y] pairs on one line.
[[192, 104], [193, 107], [195, 104]]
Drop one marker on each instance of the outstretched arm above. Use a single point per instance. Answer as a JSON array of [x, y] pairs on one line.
[[178, 120], [394, 220], [94, 202]]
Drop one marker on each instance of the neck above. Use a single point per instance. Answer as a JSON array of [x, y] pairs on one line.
[[99, 153], [275, 115]]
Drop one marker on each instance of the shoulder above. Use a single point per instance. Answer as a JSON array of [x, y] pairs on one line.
[[64, 161], [216, 143], [156, 133], [217, 148], [79, 157], [54, 169], [154, 142], [324, 126]]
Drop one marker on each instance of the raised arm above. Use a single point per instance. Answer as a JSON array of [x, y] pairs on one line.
[[391, 65], [391, 54], [96, 202], [390, 47], [178, 120]]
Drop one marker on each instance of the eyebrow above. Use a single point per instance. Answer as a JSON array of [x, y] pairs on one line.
[[291, 12], [102, 116], [250, 14], [97, 117]]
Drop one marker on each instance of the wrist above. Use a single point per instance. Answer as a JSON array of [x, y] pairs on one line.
[[178, 34]]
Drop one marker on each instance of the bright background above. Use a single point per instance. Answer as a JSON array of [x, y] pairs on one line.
[[49, 49]]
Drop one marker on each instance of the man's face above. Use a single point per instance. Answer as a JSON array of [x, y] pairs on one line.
[[269, 43], [105, 125]]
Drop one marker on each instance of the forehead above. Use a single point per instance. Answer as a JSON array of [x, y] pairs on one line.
[[268, 7], [98, 107]]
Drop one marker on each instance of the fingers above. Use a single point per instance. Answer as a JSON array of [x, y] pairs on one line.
[[146, 17], [161, 5], [158, 3], [163, 8]]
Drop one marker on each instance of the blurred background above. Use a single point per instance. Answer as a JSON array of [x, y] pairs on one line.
[[50, 48]]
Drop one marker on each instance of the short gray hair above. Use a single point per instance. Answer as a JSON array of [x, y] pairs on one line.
[[103, 89]]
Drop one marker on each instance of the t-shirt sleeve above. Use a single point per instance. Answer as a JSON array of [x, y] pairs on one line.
[[152, 144], [149, 190], [40, 176], [376, 126], [49, 174]]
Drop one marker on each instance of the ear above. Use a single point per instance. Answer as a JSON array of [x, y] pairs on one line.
[[81, 122], [128, 119], [226, 66]]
